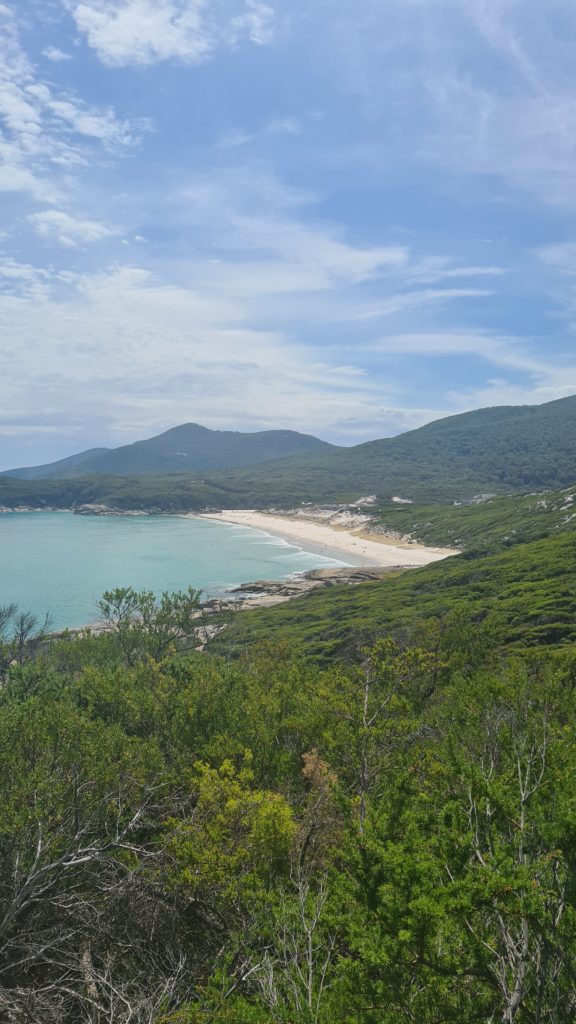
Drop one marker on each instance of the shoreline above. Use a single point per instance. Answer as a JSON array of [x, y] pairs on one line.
[[367, 549], [359, 556], [352, 544]]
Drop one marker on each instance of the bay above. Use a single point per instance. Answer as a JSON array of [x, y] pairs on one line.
[[59, 563]]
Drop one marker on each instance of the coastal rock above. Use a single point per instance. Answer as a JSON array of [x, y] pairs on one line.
[[94, 510], [267, 592], [106, 510]]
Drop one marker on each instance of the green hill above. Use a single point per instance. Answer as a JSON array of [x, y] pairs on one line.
[[159, 493], [62, 468], [187, 448], [499, 450], [486, 525]]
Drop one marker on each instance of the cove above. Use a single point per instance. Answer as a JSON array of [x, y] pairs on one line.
[[60, 563]]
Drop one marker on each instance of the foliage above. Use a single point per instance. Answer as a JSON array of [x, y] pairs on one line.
[[485, 525], [144, 626], [186, 839], [21, 635]]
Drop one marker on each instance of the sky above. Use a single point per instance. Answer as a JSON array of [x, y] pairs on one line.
[[346, 218]]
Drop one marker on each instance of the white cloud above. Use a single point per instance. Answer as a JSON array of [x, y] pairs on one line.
[[254, 220], [417, 299], [127, 344], [209, 341], [22, 279], [33, 430], [68, 230], [124, 32], [561, 256], [237, 137], [147, 351], [557, 279], [45, 132], [503, 392], [55, 55], [257, 22]]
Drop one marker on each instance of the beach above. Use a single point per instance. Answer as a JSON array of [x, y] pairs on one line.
[[355, 545]]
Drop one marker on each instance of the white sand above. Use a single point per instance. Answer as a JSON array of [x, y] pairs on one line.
[[355, 545]]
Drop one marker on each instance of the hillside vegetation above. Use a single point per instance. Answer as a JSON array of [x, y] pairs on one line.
[[190, 840], [486, 524], [531, 587], [517, 563], [179, 493]]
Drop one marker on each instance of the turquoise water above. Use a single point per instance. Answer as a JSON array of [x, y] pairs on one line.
[[61, 563]]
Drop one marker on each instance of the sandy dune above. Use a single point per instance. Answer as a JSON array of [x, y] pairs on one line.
[[360, 548]]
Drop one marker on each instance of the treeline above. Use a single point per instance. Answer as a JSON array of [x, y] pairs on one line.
[[164, 494], [187, 839]]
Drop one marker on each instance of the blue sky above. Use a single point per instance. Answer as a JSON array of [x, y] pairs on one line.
[[343, 218]]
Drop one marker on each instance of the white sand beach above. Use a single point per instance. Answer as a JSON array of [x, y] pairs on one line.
[[359, 547]]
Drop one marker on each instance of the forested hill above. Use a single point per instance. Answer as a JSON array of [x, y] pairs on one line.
[[189, 447], [502, 449], [499, 450]]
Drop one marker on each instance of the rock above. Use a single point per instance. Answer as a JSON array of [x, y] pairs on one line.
[[94, 510], [265, 591]]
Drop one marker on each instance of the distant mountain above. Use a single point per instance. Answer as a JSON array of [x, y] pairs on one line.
[[500, 450], [61, 469], [189, 447]]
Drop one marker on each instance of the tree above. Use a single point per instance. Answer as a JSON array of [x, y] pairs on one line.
[[87, 933], [22, 634], [145, 626]]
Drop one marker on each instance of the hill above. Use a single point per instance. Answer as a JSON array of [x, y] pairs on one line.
[[499, 451], [60, 469], [502, 449], [486, 525], [187, 448]]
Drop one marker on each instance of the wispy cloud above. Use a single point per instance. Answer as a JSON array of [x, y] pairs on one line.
[[68, 230], [493, 91], [253, 216], [498, 350], [237, 137], [212, 334], [55, 55]]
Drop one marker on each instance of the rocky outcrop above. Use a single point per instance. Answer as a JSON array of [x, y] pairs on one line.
[[264, 593], [106, 510]]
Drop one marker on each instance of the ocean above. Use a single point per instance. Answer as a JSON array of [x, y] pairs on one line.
[[61, 564]]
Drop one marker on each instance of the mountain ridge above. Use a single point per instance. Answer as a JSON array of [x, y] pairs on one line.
[[188, 446], [501, 450]]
